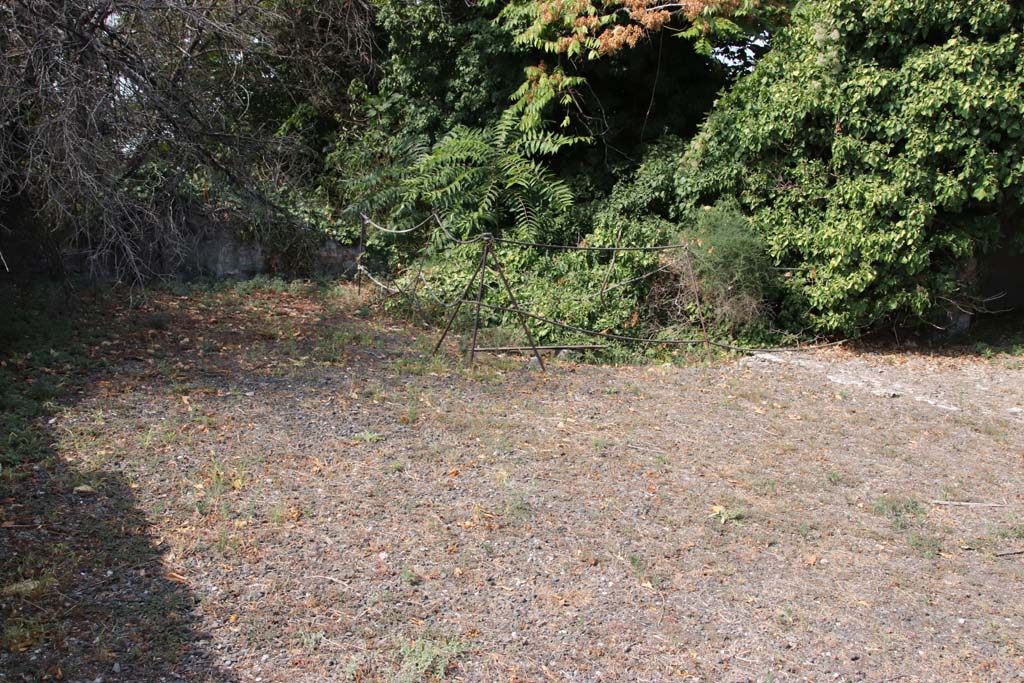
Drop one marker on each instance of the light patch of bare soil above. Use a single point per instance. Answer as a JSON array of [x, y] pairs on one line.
[[365, 513]]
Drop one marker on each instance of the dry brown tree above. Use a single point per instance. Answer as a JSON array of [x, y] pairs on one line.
[[108, 106]]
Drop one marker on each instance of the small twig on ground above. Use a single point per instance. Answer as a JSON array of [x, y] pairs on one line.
[[644, 448], [331, 578], [1010, 553], [964, 503]]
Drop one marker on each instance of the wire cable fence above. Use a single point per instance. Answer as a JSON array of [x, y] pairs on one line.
[[489, 259]]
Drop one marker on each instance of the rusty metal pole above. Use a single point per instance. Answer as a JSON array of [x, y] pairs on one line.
[[515, 306], [479, 299], [455, 311]]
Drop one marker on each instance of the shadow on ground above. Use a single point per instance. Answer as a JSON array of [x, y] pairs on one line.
[[84, 592]]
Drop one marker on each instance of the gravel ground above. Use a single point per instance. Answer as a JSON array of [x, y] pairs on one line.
[[272, 487]]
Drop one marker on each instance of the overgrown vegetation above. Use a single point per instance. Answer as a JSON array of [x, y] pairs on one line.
[[860, 163], [876, 150]]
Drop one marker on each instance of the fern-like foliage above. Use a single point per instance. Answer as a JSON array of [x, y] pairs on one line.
[[533, 101], [521, 137], [472, 181], [580, 31], [484, 180], [370, 179]]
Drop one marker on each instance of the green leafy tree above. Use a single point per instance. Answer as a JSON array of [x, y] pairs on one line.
[[878, 150], [581, 32]]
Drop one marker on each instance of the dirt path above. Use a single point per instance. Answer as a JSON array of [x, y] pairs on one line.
[[950, 383], [352, 510]]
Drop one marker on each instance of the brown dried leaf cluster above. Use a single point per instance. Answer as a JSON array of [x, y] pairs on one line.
[[617, 37], [642, 18]]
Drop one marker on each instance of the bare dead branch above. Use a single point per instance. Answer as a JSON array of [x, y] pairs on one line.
[[108, 106]]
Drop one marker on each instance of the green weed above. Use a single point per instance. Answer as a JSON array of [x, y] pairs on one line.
[[899, 511], [368, 437], [410, 577], [427, 659], [1014, 532], [725, 515], [278, 514], [157, 321], [924, 544], [311, 640], [836, 478]]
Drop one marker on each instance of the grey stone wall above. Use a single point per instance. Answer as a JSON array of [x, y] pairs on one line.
[[219, 253]]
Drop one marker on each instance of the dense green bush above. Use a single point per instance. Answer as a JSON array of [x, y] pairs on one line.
[[595, 290], [876, 149], [725, 281]]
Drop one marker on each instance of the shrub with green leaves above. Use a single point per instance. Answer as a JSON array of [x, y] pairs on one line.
[[586, 289], [731, 260], [725, 281], [593, 290], [878, 150]]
